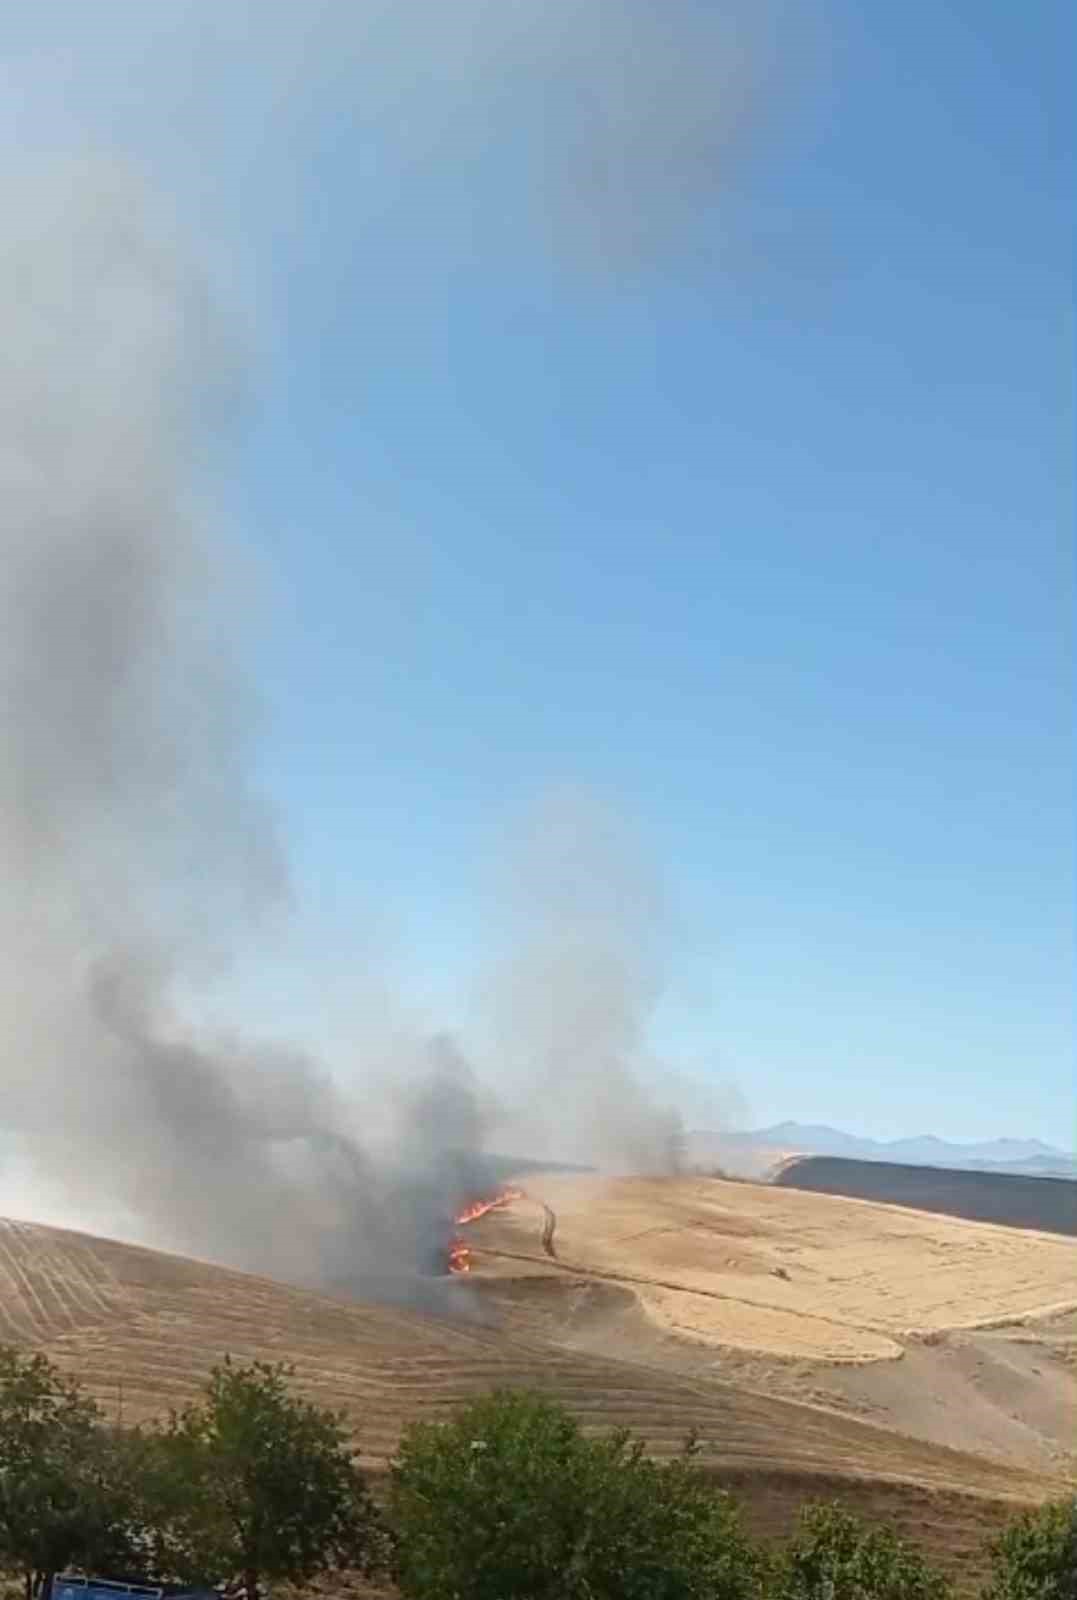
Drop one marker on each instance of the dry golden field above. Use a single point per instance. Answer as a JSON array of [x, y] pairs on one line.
[[962, 1334], [919, 1366]]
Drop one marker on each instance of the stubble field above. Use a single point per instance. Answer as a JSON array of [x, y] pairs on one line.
[[921, 1367]]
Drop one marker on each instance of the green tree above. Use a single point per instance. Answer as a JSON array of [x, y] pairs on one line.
[[1035, 1558], [63, 1500], [259, 1483], [835, 1556], [508, 1500]]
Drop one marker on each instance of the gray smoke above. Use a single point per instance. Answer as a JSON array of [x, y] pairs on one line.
[[616, 135], [136, 854], [573, 1000]]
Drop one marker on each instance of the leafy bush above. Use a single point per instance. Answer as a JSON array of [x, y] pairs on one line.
[[257, 1482], [509, 1501], [835, 1556], [64, 1480], [1035, 1558]]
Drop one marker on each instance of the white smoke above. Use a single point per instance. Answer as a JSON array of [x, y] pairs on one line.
[[613, 135], [572, 1000], [136, 854]]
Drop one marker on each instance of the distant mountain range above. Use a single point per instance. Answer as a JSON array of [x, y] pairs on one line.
[[748, 1149]]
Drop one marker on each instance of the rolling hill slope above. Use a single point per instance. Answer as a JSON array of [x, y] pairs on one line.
[[141, 1328], [798, 1274], [960, 1333], [1016, 1200]]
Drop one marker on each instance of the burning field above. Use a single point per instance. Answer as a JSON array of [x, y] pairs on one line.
[[799, 1274], [460, 1253], [962, 1333], [141, 1328]]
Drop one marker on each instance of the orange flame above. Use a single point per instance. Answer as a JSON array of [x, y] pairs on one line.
[[460, 1256], [479, 1208]]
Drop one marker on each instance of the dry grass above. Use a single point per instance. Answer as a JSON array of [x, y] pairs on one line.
[[783, 1271], [958, 1333], [141, 1329]]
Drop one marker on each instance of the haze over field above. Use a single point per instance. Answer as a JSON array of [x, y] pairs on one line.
[[754, 1148], [921, 1368], [141, 858], [523, 363]]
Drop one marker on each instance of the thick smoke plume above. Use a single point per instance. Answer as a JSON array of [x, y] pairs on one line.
[[134, 850], [136, 854]]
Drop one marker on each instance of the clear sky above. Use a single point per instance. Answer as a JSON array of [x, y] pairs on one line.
[[675, 406]]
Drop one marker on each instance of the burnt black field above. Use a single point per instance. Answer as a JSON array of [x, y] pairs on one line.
[[1048, 1204]]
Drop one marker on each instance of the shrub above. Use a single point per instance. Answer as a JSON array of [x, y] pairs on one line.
[[509, 1501], [1035, 1558], [64, 1481], [835, 1556], [260, 1483]]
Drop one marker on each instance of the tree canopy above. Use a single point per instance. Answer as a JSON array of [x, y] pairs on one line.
[[508, 1500], [1035, 1558], [835, 1556], [64, 1477], [263, 1484]]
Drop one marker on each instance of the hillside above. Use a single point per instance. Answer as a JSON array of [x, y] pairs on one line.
[[960, 1333], [140, 1328], [770, 1268], [1045, 1202]]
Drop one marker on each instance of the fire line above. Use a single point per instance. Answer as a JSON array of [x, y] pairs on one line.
[[459, 1253]]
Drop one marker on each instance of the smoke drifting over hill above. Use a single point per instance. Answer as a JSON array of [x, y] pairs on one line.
[[137, 855]]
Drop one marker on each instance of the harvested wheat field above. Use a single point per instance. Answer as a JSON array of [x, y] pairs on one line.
[[140, 1328], [787, 1271], [957, 1332]]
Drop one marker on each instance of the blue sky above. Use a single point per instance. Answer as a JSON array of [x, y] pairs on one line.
[[727, 476]]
